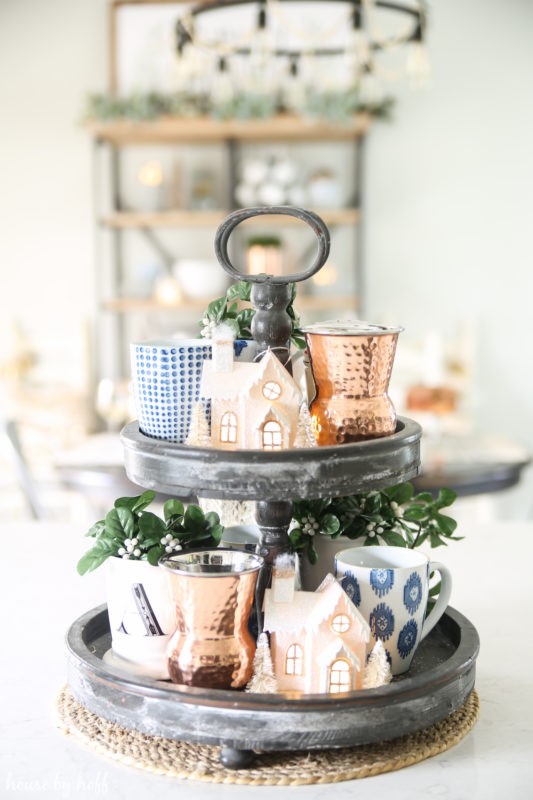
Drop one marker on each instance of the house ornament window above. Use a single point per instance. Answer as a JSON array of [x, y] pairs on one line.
[[294, 660], [272, 436], [228, 428], [340, 676], [271, 390], [340, 623]]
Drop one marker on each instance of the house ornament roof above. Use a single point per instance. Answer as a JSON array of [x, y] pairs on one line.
[[276, 413], [287, 617], [330, 592], [337, 649], [229, 385], [309, 609]]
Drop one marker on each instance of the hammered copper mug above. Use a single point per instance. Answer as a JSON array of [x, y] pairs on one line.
[[351, 363], [213, 592]]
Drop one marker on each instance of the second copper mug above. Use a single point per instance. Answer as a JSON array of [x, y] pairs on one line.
[[351, 364], [213, 592]]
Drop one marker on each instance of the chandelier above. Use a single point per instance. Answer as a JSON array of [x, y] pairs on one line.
[[301, 48]]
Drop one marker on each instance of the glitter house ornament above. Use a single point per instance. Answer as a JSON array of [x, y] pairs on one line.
[[253, 406], [318, 639]]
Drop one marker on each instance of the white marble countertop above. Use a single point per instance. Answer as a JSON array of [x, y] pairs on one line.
[[44, 595]]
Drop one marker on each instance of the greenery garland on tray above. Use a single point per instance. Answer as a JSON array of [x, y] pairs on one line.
[[393, 516], [128, 531], [331, 106]]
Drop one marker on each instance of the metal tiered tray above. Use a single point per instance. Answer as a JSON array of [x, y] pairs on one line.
[[439, 681], [442, 673], [278, 475]]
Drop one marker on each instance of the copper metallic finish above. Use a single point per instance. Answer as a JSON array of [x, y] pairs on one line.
[[352, 376], [212, 647]]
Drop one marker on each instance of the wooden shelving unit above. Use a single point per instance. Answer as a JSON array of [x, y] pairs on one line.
[[127, 305], [111, 137], [179, 130], [203, 219]]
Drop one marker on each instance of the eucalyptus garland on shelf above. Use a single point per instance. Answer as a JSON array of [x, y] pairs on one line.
[[394, 516], [333, 106], [339, 107], [144, 106], [226, 310]]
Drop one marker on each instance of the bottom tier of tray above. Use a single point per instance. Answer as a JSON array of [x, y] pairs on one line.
[[439, 681]]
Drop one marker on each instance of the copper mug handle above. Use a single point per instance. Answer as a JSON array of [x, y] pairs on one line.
[[317, 225]]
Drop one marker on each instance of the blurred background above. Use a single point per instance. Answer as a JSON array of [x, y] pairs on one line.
[[130, 129]]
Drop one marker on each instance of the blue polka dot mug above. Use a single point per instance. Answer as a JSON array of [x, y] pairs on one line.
[[390, 586], [166, 378]]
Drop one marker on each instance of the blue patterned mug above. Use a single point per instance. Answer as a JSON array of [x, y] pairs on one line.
[[166, 378], [390, 586]]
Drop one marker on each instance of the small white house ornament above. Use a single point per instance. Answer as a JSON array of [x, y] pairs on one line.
[[253, 406], [318, 639]]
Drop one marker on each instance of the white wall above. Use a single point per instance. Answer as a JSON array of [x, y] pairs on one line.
[[448, 187], [51, 53], [449, 198]]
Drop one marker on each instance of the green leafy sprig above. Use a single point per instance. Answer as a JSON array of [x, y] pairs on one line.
[[226, 310], [393, 516], [130, 532]]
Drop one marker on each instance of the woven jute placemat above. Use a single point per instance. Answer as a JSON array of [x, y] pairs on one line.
[[201, 762]]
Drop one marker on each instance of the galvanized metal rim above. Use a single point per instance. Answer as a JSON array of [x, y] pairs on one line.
[[407, 432], [463, 658]]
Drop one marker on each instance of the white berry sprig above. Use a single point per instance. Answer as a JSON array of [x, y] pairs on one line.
[[394, 516], [129, 532]]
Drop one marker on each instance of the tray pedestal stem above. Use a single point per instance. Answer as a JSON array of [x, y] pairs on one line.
[[273, 518], [271, 325]]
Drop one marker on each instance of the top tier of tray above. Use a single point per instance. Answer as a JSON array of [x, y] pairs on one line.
[[273, 475]]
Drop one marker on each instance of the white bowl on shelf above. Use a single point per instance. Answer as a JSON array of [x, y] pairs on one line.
[[200, 278]]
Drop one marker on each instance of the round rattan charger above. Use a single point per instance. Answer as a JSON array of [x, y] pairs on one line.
[[185, 760]]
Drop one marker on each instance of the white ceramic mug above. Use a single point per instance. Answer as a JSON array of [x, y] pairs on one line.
[[390, 587], [166, 378]]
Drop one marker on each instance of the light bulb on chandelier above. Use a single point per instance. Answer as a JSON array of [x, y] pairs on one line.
[[341, 48]]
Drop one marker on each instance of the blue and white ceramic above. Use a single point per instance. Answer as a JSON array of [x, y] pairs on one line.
[[241, 537], [166, 377], [390, 586]]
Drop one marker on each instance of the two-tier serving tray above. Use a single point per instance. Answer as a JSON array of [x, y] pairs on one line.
[[442, 673]]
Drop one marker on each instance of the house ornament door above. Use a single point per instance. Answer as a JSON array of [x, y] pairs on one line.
[[272, 435], [340, 676]]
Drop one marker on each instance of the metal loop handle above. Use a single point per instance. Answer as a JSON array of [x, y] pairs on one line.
[[317, 225]]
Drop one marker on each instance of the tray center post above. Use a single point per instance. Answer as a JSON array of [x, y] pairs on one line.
[[273, 518]]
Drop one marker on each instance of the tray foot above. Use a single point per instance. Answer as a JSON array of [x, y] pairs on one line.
[[232, 758]]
